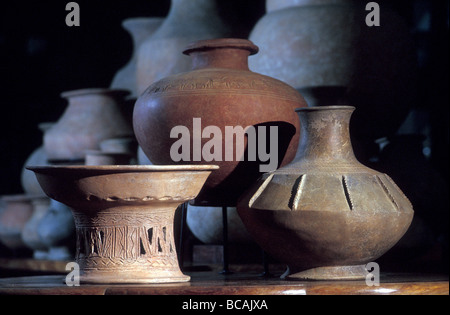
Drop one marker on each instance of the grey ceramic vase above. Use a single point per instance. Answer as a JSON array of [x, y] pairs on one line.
[[188, 20], [140, 29], [57, 231]]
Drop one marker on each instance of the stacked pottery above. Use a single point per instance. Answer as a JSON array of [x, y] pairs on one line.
[[97, 157], [185, 118], [140, 29], [207, 226], [38, 157], [220, 93], [326, 215], [325, 49], [187, 21]]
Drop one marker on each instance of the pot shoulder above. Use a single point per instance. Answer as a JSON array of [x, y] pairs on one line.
[[223, 81]]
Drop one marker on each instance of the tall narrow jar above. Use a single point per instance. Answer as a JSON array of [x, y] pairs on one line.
[[187, 21], [92, 115]]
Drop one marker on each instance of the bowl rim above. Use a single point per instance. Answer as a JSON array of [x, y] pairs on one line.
[[122, 168]]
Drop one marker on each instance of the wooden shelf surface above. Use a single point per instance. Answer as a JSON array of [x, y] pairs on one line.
[[251, 283]]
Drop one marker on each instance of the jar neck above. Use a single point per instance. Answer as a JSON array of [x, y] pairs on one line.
[[325, 134], [227, 53]]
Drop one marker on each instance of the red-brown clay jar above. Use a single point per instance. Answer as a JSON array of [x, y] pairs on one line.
[[221, 91], [325, 214], [327, 45]]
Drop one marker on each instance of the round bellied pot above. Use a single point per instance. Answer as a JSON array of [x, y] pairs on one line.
[[140, 29], [220, 113], [124, 217], [92, 115], [188, 20], [326, 215], [312, 44]]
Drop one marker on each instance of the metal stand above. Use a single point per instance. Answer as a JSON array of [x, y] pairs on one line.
[[225, 270]]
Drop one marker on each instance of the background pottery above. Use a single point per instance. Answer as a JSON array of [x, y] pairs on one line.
[[28, 180], [56, 229], [140, 29], [221, 91], [92, 115], [97, 157], [326, 215], [327, 43], [124, 217], [187, 21], [15, 211], [207, 225], [30, 235]]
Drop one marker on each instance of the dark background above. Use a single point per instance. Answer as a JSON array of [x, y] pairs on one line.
[[40, 57]]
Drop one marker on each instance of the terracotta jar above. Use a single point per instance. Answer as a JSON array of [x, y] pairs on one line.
[[327, 44], [140, 29], [124, 217], [326, 215], [220, 92], [92, 115], [188, 20]]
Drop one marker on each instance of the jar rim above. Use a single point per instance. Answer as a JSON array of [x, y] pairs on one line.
[[208, 44]]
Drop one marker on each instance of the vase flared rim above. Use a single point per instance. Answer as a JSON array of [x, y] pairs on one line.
[[207, 44], [89, 91], [324, 108], [122, 168]]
